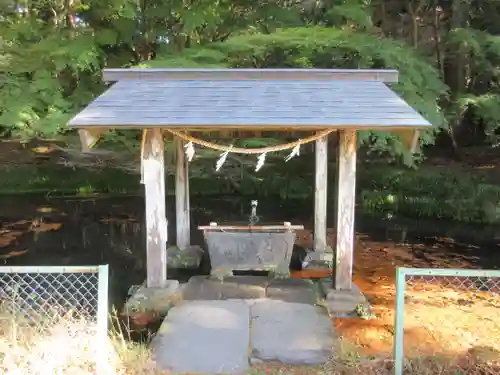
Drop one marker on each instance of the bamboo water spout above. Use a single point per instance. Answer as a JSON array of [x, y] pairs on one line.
[[254, 219]]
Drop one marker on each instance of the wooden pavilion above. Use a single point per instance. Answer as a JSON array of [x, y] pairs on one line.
[[197, 100]]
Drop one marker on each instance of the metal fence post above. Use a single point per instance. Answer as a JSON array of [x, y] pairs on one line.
[[102, 299], [102, 319], [399, 321]]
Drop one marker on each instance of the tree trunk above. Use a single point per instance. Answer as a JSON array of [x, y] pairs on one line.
[[69, 14], [437, 38], [454, 66]]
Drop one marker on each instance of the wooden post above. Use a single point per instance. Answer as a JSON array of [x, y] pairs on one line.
[[345, 209], [182, 197], [153, 166], [89, 138], [320, 194]]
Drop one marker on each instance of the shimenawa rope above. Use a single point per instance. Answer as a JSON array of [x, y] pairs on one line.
[[295, 145], [249, 151]]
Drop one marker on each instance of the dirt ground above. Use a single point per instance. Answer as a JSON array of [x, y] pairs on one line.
[[448, 319]]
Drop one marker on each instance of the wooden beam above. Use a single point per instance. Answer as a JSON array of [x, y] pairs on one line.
[[182, 212], [89, 138], [258, 228], [345, 210], [153, 166], [387, 76], [321, 194], [410, 139]]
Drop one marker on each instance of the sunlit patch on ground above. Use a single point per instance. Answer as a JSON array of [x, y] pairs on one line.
[[455, 320], [38, 226], [45, 149], [446, 326], [45, 209]]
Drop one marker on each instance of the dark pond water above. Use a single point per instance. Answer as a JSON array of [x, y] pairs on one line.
[[78, 231]]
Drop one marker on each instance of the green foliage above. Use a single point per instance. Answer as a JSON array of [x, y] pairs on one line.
[[50, 180], [51, 54], [355, 13], [485, 110], [482, 99], [39, 73], [432, 194], [190, 58]]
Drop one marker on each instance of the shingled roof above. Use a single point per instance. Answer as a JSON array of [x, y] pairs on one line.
[[292, 99]]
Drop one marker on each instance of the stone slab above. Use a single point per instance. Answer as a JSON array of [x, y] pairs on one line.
[[231, 287], [204, 337], [292, 333], [293, 290], [187, 258], [157, 300]]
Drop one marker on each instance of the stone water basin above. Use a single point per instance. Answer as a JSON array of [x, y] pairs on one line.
[[250, 247]]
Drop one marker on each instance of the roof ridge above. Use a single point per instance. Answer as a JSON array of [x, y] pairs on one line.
[[381, 75]]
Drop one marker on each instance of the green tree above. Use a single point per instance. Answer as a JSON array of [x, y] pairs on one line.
[[52, 51]]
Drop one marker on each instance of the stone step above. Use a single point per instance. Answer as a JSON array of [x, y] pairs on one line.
[[214, 337], [291, 333], [204, 337]]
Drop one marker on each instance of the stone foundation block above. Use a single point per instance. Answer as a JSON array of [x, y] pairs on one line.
[[345, 301], [155, 300]]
